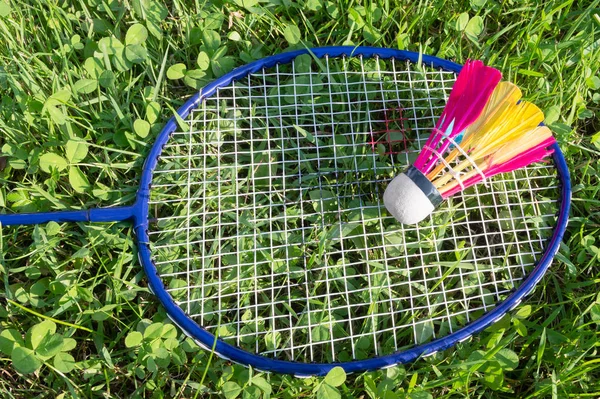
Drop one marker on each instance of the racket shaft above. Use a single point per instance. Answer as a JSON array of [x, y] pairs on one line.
[[115, 214]]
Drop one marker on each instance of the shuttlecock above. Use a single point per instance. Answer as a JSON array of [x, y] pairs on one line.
[[484, 130]]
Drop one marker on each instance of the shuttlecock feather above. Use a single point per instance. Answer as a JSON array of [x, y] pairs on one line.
[[485, 129], [467, 101]]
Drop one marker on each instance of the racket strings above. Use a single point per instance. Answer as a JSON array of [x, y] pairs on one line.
[[268, 227]]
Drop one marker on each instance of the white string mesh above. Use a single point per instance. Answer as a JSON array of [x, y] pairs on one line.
[[268, 225]]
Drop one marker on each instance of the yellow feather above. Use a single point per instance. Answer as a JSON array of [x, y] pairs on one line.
[[504, 93], [503, 121], [515, 147], [504, 153]]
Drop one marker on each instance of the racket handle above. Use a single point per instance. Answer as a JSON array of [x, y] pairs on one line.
[[115, 214]]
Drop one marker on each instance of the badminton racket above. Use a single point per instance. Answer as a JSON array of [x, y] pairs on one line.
[[261, 228]]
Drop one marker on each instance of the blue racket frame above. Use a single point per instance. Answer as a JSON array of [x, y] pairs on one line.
[[138, 213]]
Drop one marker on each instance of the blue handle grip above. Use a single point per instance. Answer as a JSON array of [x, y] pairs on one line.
[[115, 214]]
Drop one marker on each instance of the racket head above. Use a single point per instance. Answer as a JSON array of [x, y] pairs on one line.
[[315, 365]]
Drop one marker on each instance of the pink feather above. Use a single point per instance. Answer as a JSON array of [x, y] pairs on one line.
[[529, 156], [469, 95]]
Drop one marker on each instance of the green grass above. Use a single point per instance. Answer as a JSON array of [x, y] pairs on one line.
[[79, 111]]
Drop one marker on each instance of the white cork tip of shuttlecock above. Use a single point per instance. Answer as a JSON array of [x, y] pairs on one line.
[[408, 201]]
